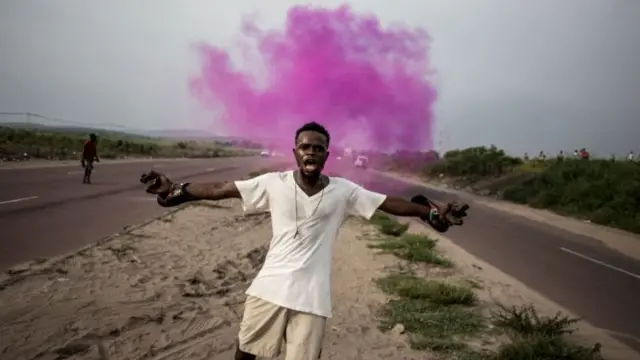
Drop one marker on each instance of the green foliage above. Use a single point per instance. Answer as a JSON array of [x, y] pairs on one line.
[[603, 191], [474, 163], [387, 225], [48, 144]]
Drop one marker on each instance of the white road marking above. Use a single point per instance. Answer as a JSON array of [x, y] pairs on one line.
[[612, 267], [18, 200], [210, 169], [76, 172]]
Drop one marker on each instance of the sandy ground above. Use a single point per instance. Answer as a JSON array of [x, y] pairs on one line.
[[173, 289], [620, 240]]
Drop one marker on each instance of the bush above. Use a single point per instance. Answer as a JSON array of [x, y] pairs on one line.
[[603, 191], [474, 163]]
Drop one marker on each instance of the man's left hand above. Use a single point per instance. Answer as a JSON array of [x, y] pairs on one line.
[[455, 213]]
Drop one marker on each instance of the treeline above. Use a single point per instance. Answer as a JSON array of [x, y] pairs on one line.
[[22, 144]]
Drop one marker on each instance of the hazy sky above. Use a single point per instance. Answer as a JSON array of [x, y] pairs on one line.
[[524, 75]]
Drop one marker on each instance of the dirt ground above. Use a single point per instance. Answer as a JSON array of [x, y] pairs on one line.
[[173, 289]]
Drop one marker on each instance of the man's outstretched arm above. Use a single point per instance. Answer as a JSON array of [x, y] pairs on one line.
[[398, 206], [252, 191], [212, 191], [363, 202]]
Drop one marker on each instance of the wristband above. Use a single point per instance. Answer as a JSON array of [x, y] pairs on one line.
[[176, 196], [433, 214]]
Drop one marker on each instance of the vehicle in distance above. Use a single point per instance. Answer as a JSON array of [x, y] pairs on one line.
[[361, 162], [265, 153]]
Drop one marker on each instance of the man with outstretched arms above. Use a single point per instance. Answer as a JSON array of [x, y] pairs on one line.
[[290, 299]]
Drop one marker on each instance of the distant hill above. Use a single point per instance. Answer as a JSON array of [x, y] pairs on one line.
[[169, 134], [184, 134], [73, 129]]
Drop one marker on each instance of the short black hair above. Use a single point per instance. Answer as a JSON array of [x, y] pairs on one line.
[[92, 136], [313, 126]]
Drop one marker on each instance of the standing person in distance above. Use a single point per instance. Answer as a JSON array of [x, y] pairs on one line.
[[89, 155], [290, 299]]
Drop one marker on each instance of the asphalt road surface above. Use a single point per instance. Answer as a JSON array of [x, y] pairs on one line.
[[47, 211]]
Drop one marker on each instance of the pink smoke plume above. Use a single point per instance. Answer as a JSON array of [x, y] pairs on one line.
[[366, 83]]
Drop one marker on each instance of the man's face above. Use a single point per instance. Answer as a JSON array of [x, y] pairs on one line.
[[311, 152]]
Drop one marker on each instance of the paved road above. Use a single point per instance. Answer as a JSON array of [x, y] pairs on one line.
[[575, 271], [47, 211]]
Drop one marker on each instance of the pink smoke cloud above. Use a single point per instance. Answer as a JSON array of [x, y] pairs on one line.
[[368, 84]]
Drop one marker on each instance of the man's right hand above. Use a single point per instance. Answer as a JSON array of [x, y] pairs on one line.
[[157, 183]]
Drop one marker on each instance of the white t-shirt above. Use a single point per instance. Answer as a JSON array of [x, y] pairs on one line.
[[297, 271]]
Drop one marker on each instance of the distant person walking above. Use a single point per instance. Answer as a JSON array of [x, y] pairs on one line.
[[576, 153], [89, 155], [630, 157]]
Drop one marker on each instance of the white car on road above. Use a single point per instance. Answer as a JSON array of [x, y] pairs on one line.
[[361, 162]]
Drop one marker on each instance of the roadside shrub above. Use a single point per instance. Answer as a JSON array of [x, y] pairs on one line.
[[474, 163], [603, 191]]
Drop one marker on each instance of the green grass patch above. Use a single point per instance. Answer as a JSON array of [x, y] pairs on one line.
[[388, 225], [434, 291], [441, 317], [413, 248], [437, 315]]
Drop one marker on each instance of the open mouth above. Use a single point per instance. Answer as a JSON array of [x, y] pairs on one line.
[[310, 165]]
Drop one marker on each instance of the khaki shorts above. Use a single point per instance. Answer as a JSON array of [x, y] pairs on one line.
[[265, 326]]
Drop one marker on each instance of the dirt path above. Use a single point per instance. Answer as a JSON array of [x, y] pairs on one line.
[[173, 289]]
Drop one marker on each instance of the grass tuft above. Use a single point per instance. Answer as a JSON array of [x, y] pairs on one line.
[[413, 248], [434, 291], [388, 225]]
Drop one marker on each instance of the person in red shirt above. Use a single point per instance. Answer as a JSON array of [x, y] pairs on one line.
[[89, 155], [584, 154]]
